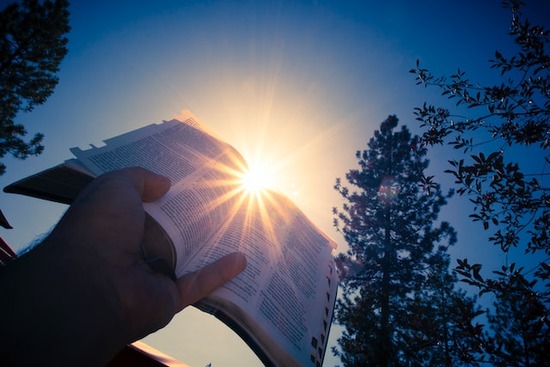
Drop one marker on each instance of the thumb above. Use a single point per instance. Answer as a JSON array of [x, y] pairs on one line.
[[150, 185], [197, 285]]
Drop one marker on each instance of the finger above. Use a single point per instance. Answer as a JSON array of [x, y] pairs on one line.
[[197, 285], [122, 185], [110, 209]]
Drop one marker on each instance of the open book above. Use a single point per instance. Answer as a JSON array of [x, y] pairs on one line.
[[282, 304]]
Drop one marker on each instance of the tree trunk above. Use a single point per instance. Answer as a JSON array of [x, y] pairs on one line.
[[385, 337]]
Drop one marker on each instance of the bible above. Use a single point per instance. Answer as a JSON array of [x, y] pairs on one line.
[[283, 302]]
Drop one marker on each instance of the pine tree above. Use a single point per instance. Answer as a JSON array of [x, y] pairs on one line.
[[398, 298], [32, 46]]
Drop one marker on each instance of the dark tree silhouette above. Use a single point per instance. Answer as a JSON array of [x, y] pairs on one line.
[[489, 122], [517, 337], [32, 46], [399, 306]]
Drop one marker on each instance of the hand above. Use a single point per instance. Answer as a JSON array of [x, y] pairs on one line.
[[100, 285]]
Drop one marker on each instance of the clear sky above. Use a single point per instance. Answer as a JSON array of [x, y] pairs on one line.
[[298, 86]]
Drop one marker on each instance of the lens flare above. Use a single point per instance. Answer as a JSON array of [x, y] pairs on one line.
[[256, 179]]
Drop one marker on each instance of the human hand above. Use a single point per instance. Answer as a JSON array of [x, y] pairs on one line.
[[102, 285]]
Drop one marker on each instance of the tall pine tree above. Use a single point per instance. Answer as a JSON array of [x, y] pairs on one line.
[[399, 306]]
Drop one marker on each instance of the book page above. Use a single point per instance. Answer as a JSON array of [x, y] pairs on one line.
[[193, 211], [174, 149], [202, 170], [286, 293]]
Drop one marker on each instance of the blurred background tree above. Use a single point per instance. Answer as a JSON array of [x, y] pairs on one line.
[[399, 304], [490, 123], [32, 45]]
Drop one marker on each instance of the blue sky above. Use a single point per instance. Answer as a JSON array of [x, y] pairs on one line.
[[295, 85]]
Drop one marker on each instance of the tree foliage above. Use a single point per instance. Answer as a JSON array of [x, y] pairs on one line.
[[32, 46], [399, 305], [512, 203], [516, 112]]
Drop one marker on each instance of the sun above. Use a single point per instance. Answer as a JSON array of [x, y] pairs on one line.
[[256, 179]]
